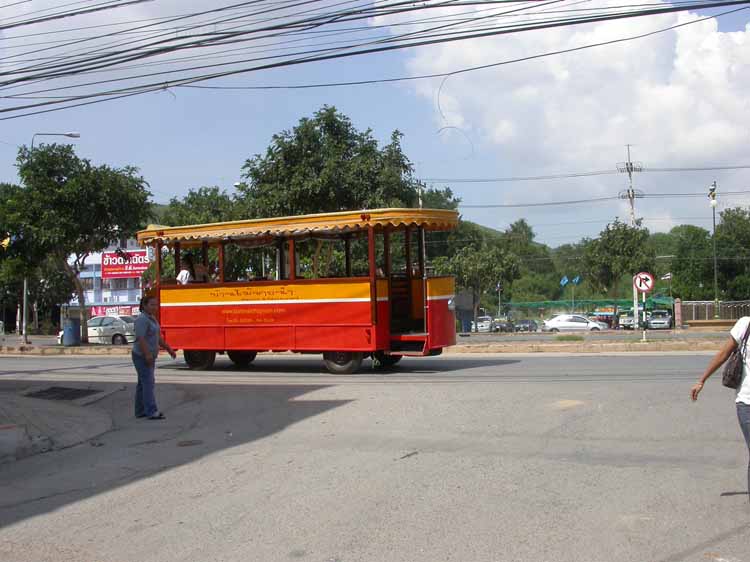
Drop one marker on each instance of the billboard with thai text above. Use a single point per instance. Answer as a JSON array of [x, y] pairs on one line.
[[107, 310], [124, 264]]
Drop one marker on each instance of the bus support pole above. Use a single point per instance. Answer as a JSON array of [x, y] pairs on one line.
[[373, 277], [221, 261], [292, 259], [423, 266]]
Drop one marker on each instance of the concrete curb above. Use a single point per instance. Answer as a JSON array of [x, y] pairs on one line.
[[33, 425], [59, 350], [504, 347], [587, 347]]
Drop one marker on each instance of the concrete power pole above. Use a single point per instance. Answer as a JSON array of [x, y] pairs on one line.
[[631, 194]]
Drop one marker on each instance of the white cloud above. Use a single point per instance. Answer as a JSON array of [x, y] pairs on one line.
[[679, 96]]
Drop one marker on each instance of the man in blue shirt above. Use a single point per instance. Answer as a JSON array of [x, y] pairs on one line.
[[145, 350]]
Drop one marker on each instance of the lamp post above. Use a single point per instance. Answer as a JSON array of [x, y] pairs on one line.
[[24, 318], [712, 197]]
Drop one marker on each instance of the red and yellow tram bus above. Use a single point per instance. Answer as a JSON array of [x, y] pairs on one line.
[[347, 285]]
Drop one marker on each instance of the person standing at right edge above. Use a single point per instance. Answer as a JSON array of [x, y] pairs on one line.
[[145, 350], [742, 399]]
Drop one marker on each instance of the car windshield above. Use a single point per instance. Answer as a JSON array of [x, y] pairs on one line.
[[659, 314], [128, 319]]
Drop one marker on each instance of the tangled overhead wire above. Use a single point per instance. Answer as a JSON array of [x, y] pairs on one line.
[[52, 69]]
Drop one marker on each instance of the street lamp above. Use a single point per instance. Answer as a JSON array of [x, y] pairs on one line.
[[712, 198], [72, 135]]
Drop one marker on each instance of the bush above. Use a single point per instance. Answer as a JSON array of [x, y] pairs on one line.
[[569, 337]]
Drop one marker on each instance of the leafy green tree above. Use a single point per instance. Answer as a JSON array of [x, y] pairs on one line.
[[479, 270], [569, 257], [692, 265], [436, 198], [325, 164], [200, 206], [733, 249], [620, 252], [534, 257], [536, 287], [69, 207]]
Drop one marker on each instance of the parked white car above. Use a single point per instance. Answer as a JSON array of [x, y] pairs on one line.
[[572, 322], [484, 324], [116, 330]]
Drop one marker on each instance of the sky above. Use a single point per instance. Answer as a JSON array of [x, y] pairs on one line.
[[679, 98]]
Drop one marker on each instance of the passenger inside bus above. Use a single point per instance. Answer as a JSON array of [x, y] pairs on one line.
[[187, 271]]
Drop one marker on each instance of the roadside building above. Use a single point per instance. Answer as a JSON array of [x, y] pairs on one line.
[[111, 281]]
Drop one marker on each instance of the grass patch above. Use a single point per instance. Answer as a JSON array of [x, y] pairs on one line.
[[569, 337]]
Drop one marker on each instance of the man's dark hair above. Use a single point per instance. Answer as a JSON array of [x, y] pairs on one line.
[[144, 302]]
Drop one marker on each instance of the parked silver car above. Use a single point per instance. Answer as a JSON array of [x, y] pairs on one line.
[[660, 320], [117, 330]]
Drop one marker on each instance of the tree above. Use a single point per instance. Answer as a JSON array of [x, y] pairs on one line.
[[325, 164], [620, 251], [199, 206], [535, 287], [534, 257], [479, 270], [69, 207], [692, 265], [733, 249]]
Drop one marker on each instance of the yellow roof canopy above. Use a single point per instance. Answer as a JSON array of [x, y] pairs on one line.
[[302, 225]]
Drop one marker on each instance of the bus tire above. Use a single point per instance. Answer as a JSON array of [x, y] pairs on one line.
[[342, 362], [382, 360], [199, 360], [242, 358]]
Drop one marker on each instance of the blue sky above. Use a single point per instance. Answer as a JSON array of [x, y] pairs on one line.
[[574, 113]]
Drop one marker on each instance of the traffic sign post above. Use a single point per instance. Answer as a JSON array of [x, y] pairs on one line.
[[643, 282]]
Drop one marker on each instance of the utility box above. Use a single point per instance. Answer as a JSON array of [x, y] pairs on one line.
[[71, 332]]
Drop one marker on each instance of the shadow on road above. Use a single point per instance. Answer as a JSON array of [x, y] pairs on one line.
[[407, 366], [201, 420]]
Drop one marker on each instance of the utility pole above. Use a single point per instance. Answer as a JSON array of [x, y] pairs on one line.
[[712, 197], [631, 194]]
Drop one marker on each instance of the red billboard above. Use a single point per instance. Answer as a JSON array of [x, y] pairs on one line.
[[124, 264], [107, 310]]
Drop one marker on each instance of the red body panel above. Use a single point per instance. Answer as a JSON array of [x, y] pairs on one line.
[[295, 326], [441, 324]]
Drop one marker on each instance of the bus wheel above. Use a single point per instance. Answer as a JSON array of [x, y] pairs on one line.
[[199, 360], [242, 358], [342, 362], [382, 361]]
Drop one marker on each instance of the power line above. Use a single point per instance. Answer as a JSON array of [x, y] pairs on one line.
[[305, 25], [590, 200], [544, 204], [581, 174]]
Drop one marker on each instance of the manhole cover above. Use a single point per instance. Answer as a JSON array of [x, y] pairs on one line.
[[62, 393]]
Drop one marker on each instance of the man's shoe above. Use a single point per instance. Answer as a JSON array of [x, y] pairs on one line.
[[157, 416]]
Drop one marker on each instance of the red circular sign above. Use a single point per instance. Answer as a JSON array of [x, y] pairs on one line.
[[643, 282]]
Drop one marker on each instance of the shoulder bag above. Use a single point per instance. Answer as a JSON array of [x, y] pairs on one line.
[[732, 376]]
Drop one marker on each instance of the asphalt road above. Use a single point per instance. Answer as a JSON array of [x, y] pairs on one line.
[[472, 459], [606, 335]]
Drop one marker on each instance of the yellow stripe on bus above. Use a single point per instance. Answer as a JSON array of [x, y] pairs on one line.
[[441, 287], [282, 292]]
